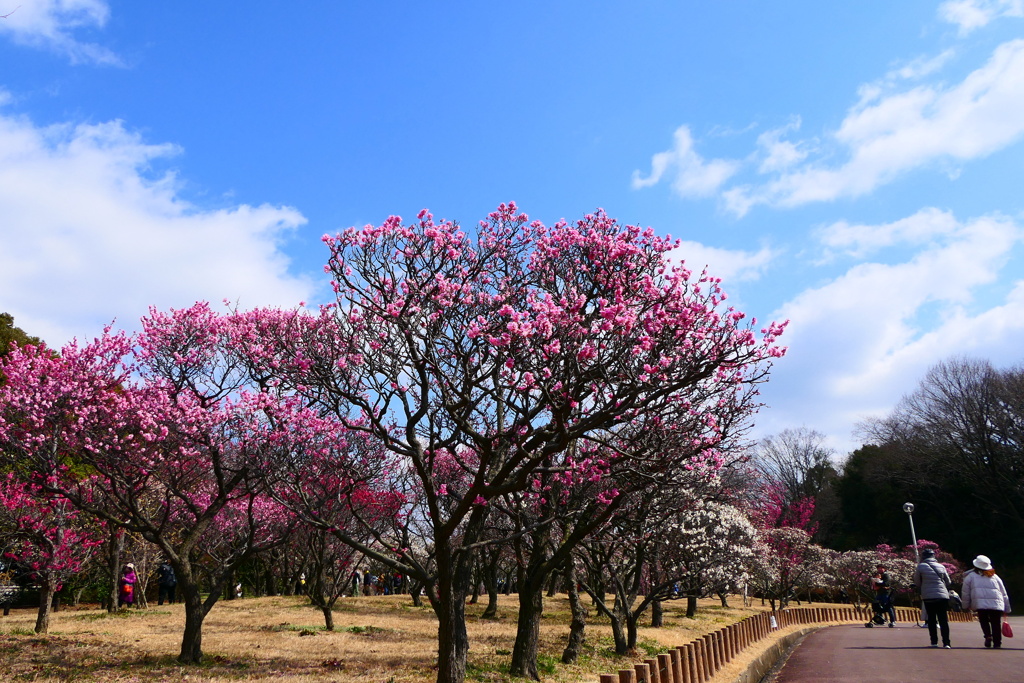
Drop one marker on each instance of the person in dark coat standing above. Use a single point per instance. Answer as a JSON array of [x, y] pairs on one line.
[[167, 582], [932, 580]]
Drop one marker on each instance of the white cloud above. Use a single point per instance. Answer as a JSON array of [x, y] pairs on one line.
[[973, 14], [691, 175], [861, 240], [51, 24], [887, 136], [727, 264], [778, 154], [88, 236], [861, 340]]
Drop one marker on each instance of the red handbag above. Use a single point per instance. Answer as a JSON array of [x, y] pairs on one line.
[[1007, 631]]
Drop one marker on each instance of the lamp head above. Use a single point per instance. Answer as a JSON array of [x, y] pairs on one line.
[[908, 508]]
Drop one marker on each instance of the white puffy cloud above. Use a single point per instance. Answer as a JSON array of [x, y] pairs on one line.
[[887, 136], [691, 175], [51, 24], [860, 240], [863, 339], [973, 14], [778, 154], [88, 235], [729, 265]]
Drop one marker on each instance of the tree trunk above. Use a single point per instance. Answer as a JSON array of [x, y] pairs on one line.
[[724, 597], [452, 639], [192, 639], [416, 591], [114, 548], [328, 617], [578, 627], [491, 612], [631, 630], [553, 585], [489, 575], [657, 614], [45, 604], [691, 605], [524, 653], [619, 633]]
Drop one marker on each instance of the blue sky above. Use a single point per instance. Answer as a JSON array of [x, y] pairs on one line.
[[856, 168]]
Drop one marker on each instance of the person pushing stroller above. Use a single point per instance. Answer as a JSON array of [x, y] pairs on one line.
[[881, 603]]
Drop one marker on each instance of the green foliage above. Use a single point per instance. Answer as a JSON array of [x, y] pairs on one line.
[[10, 333], [547, 664]]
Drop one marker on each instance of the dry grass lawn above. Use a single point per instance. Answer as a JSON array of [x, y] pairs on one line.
[[376, 639]]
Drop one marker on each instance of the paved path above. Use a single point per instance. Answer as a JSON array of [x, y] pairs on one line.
[[842, 654]]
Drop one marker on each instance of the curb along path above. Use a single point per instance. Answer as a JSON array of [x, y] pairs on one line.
[[700, 659]]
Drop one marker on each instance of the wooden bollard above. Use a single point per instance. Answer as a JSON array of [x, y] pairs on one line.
[[719, 638], [627, 676], [700, 673], [666, 672], [710, 669], [609, 678], [677, 664], [643, 673], [707, 659], [684, 671], [652, 665], [700, 659]]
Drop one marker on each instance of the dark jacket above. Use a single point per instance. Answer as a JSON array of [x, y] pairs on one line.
[[165, 575]]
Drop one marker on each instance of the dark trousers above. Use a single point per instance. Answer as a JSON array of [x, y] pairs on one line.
[[166, 592], [936, 610], [991, 621]]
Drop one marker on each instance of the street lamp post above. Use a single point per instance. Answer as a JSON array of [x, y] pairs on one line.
[[909, 509]]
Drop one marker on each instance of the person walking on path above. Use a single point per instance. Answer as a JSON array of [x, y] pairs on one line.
[[985, 593], [932, 580], [167, 582], [126, 586]]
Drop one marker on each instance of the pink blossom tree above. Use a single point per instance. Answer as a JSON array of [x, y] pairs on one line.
[[476, 359], [46, 534], [174, 441]]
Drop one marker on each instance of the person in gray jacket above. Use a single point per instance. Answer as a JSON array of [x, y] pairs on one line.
[[932, 580]]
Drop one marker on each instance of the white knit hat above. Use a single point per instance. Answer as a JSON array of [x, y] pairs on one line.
[[983, 563]]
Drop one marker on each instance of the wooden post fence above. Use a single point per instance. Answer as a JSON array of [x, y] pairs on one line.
[[700, 659]]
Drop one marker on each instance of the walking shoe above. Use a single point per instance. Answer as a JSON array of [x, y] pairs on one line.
[[934, 645], [988, 642], [892, 624], [947, 646]]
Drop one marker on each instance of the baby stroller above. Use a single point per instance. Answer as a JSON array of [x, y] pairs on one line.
[[881, 607]]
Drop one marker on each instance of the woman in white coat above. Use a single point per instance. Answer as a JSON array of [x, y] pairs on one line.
[[985, 593]]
